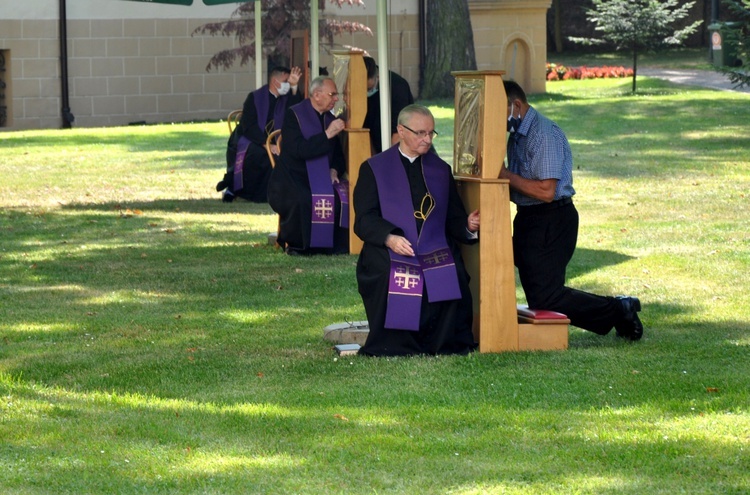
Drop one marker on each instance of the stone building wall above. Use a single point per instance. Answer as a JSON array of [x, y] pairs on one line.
[[127, 62], [134, 62], [509, 35]]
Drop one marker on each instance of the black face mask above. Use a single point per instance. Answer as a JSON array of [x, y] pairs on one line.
[[513, 122]]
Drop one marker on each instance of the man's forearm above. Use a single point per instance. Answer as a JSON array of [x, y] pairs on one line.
[[543, 190]]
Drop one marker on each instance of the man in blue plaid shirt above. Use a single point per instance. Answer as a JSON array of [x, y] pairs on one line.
[[545, 229]]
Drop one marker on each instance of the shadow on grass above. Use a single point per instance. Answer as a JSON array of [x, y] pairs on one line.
[[588, 260], [132, 139], [181, 148], [690, 130], [199, 206], [128, 281], [263, 427]]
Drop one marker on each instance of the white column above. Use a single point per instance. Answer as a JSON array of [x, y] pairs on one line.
[[258, 47], [384, 87], [314, 41]]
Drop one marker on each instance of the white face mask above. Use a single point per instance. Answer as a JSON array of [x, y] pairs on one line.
[[284, 88]]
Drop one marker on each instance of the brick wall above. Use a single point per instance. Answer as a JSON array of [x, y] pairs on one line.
[[119, 71]]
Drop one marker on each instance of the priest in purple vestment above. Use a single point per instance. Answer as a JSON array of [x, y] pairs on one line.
[[410, 273], [248, 165], [304, 186]]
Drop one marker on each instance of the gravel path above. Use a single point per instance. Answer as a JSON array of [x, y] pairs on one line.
[[694, 77]]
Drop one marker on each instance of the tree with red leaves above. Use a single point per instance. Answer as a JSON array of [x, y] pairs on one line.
[[280, 18]]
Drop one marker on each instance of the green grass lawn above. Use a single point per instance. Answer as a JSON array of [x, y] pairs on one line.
[[151, 341]]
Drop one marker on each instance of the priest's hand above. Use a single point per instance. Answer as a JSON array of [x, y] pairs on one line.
[[334, 176], [399, 245], [334, 128], [473, 222], [294, 76]]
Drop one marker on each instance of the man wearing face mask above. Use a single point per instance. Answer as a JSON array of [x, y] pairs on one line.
[[545, 228], [248, 165], [400, 97]]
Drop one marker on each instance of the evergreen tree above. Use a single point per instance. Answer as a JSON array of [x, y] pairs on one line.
[[638, 25], [738, 34]]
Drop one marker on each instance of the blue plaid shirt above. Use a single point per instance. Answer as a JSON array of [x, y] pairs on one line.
[[539, 150]]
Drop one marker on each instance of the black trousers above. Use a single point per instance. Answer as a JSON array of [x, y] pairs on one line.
[[544, 239]]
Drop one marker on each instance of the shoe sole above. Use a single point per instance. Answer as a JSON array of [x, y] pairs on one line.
[[636, 304], [635, 307]]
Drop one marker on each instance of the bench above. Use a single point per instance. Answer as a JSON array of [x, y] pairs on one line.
[[541, 330]]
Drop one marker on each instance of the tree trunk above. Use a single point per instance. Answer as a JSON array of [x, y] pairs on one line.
[[558, 27], [635, 62], [450, 46]]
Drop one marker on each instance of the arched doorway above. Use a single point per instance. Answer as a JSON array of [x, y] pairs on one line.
[[517, 64]]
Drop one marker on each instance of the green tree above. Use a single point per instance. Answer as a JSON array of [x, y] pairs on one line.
[[449, 47], [638, 25], [280, 18], [738, 34]]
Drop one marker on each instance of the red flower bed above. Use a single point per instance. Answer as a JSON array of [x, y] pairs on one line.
[[557, 72]]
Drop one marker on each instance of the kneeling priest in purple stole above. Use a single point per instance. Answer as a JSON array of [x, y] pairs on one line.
[[410, 273], [307, 187], [248, 164]]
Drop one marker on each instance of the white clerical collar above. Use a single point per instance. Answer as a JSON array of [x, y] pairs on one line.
[[411, 160]]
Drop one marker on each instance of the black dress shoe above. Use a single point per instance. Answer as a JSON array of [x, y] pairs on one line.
[[291, 251], [630, 326], [227, 197], [221, 186]]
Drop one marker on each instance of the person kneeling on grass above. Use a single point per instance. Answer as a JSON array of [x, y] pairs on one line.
[[248, 164], [410, 273], [307, 187], [545, 228]]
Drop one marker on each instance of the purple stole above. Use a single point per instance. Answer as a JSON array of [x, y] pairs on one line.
[[239, 163], [319, 176], [433, 266], [262, 100], [342, 191]]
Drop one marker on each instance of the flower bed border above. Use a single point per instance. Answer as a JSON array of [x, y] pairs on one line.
[[559, 72]]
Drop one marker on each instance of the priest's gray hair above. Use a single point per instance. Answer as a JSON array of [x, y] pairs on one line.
[[317, 83], [405, 115]]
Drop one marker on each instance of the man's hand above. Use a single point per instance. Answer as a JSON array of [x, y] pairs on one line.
[[275, 149], [294, 76], [334, 176], [473, 222], [399, 245], [335, 128]]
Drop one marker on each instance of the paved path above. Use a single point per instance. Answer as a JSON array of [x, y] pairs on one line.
[[694, 77]]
